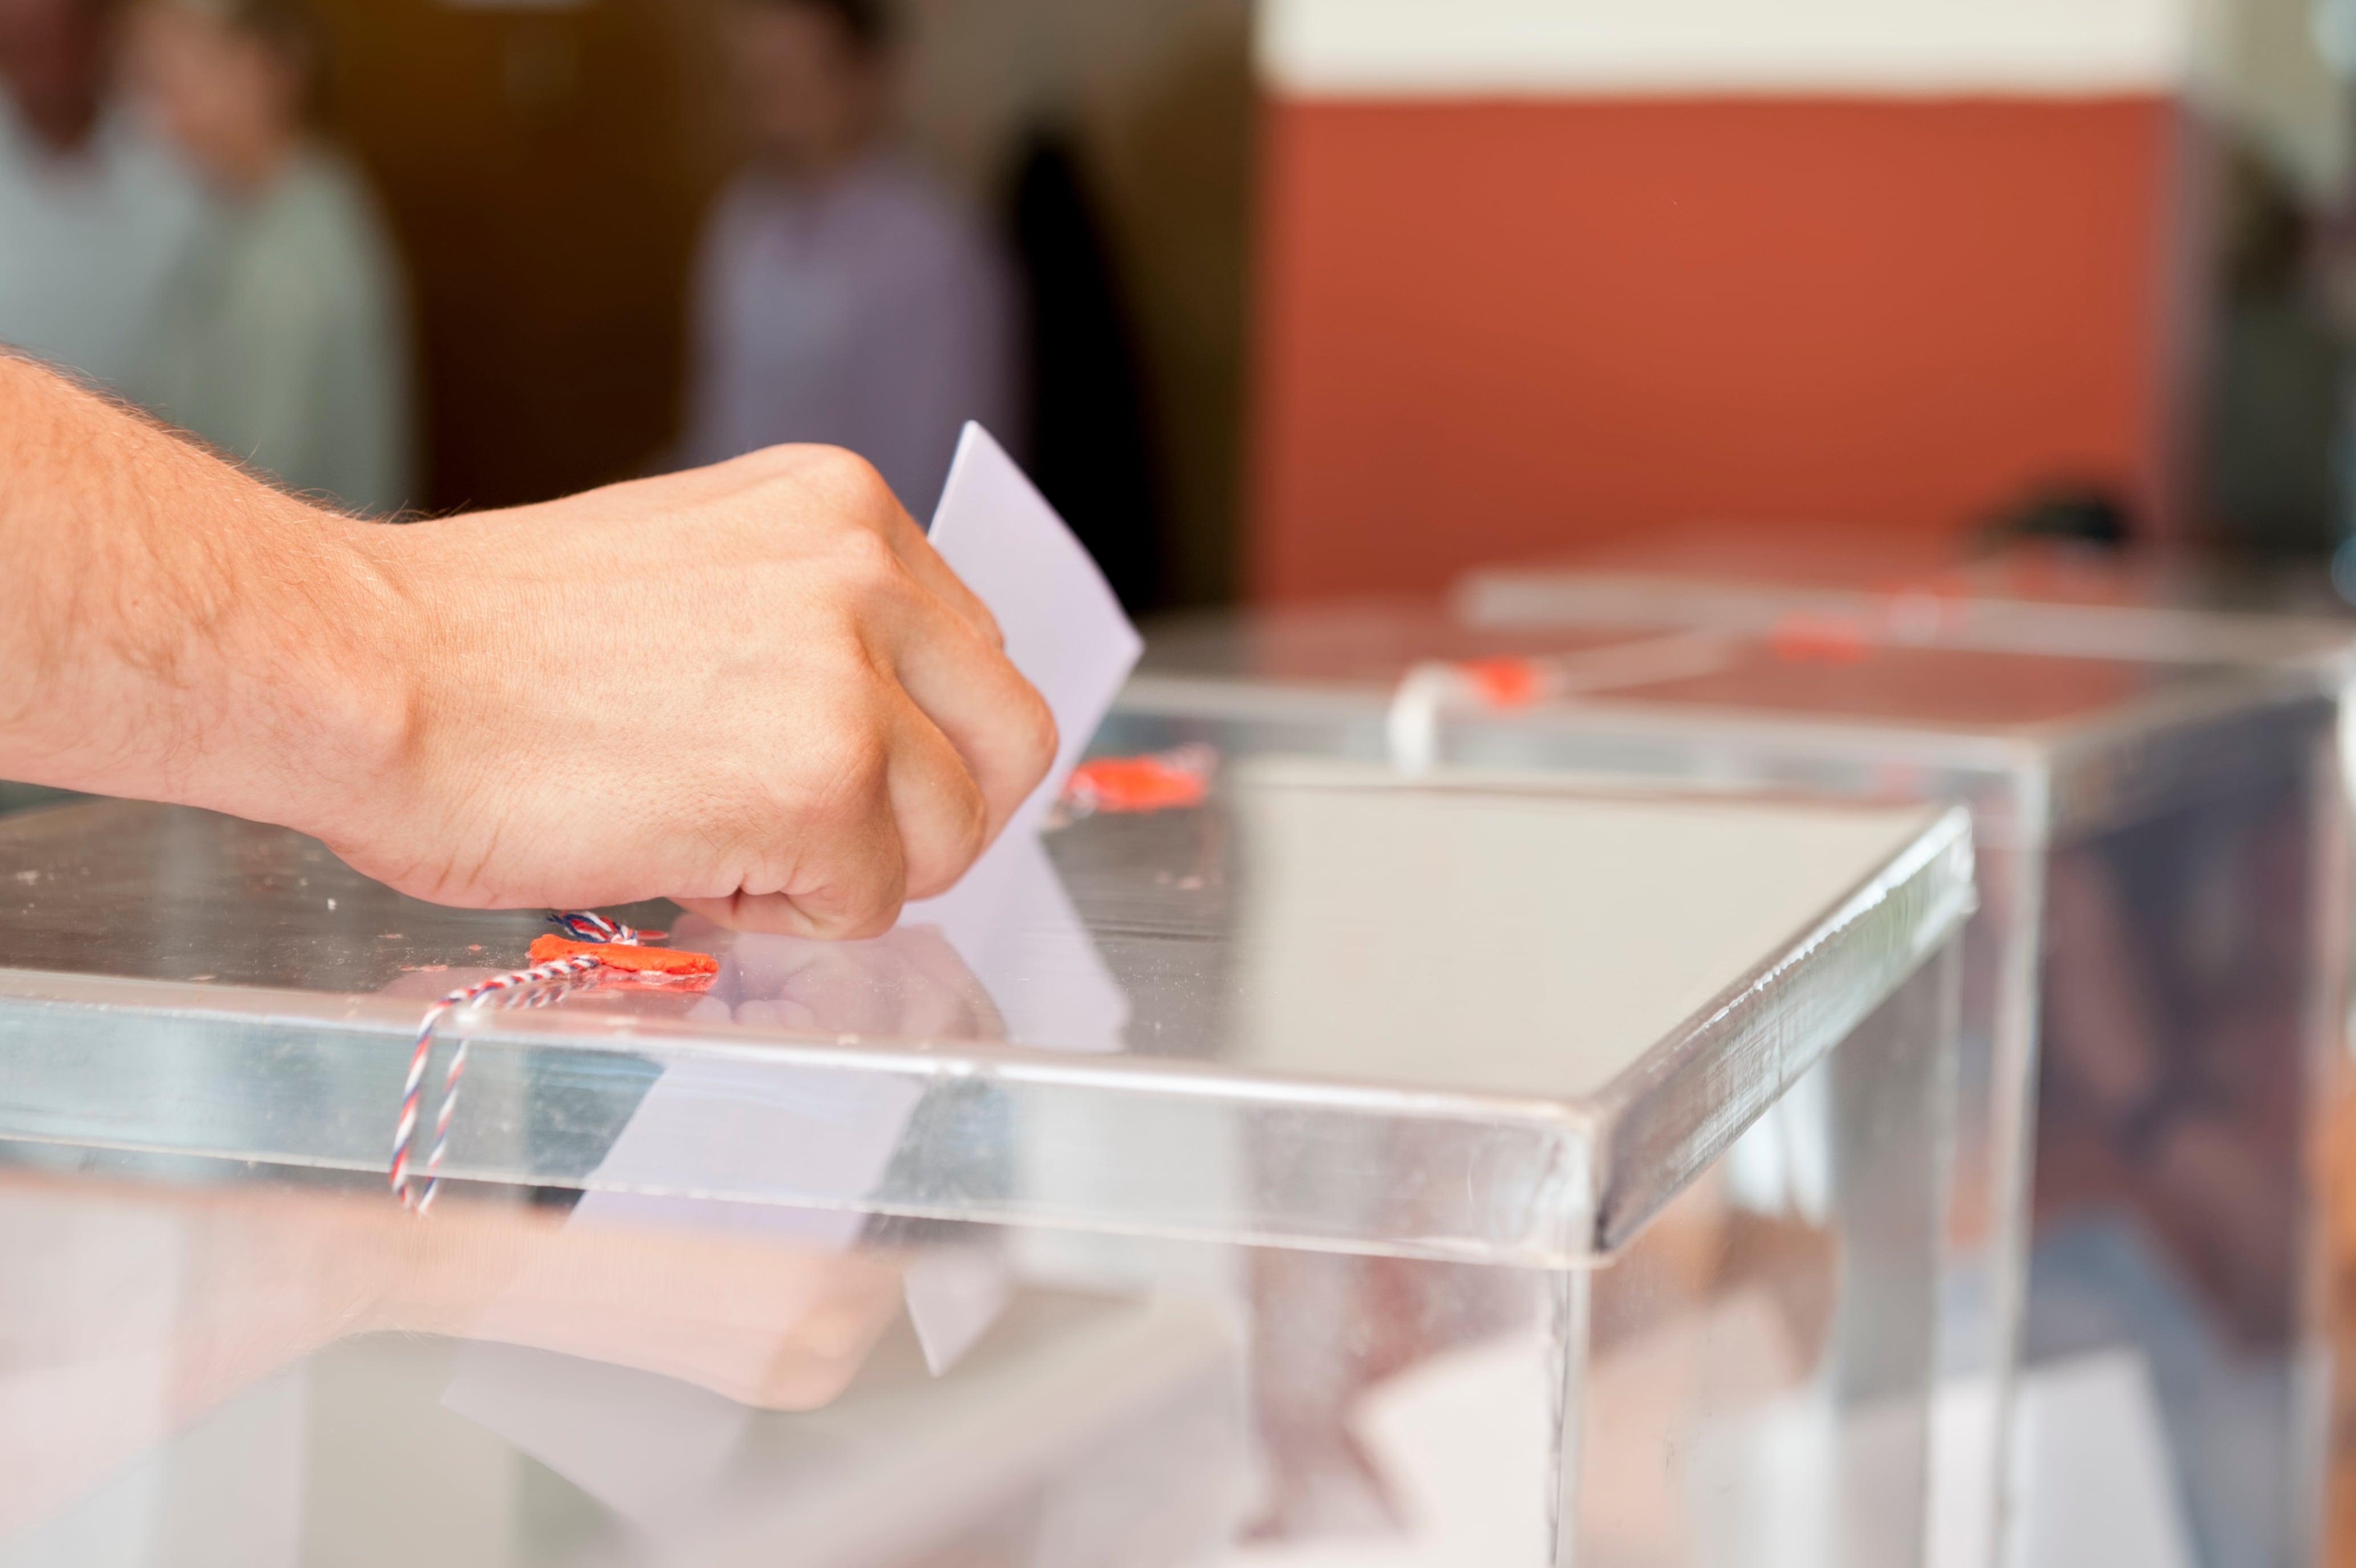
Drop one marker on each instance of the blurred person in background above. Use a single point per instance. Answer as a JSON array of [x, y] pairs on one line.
[[840, 296], [281, 337], [2277, 396], [93, 212]]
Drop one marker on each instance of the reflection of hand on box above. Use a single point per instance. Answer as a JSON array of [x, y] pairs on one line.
[[908, 983], [749, 1317], [151, 1306]]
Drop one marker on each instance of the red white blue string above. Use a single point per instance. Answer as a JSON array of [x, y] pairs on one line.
[[581, 924], [588, 926]]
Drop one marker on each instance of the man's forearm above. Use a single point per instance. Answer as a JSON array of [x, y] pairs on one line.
[[176, 629]]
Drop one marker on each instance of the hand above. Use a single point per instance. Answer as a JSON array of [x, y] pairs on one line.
[[751, 688], [258, 1278]]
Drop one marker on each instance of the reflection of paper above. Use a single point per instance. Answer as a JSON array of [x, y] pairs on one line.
[[954, 1295], [816, 1133], [830, 1135]]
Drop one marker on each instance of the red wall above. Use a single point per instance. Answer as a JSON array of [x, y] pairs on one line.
[[1486, 329]]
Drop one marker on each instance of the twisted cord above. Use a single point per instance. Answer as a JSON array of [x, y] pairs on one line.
[[588, 926], [404, 1132], [581, 924]]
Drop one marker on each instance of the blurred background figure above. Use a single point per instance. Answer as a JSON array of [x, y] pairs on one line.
[[839, 296], [2278, 394], [1092, 451], [281, 336], [93, 213]]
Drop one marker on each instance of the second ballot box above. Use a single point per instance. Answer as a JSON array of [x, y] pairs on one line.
[[1318, 1169], [2151, 987]]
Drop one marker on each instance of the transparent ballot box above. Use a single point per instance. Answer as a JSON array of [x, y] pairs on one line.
[[2149, 990], [1335, 1170]]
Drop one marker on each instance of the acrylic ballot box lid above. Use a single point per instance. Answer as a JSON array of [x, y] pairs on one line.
[[1535, 1011], [2108, 739]]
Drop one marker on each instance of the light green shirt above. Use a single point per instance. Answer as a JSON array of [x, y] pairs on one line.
[[282, 340]]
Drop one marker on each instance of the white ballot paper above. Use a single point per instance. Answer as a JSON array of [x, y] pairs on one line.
[[1009, 918], [830, 1137], [1064, 629]]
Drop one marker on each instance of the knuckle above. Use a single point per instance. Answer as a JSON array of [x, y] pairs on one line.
[[854, 483], [1038, 736], [976, 807], [947, 832], [866, 566], [968, 822]]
